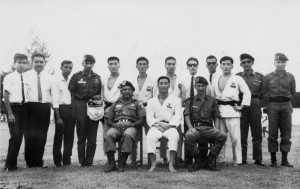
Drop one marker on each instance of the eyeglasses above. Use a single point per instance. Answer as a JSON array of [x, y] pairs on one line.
[[190, 65], [246, 61], [211, 63]]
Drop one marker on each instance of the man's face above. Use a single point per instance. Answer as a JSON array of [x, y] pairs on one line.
[[170, 66], [280, 64], [142, 66], [88, 66], [127, 92], [66, 69], [211, 65], [113, 66], [192, 66], [20, 65], [201, 88], [38, 64], [163, 85], [226, 66], [246, 64]]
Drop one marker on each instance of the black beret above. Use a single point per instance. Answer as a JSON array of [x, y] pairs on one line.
[[126, 83], [89, 58], [281, 56], [202, 80], [246, 56]]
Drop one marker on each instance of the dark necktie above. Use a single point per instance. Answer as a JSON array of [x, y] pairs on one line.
[[192, 87], [39, 87], [210, 78], [23, 95]]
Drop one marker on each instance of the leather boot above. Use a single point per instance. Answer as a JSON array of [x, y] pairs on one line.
[[122, 162], [273, 159], [197, 165], [111, 162], [284, 161], [208, 163]]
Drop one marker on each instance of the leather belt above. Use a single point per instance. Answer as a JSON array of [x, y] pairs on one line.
[[255, 96], [124, 120], [16, 104], [279, 99]]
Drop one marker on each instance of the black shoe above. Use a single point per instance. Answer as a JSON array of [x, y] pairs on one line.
[[58, 164], [111, 163], [110, 169], [244, 162], [165, 161], [10, 168], [195, 167], [209, 166], [286, 164], [273, 164], [257, 162]]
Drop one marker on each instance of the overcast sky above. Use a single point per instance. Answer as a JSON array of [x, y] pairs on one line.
[[155, 29]]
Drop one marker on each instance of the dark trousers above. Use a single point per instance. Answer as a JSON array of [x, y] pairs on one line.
[[64, 133], [205, 134], [280, 118], [16, 131], [86, 132], [36, 133], [251, 117]]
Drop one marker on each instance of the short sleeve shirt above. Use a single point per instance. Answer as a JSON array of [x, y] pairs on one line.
[[202, 111], [129, 110], [85, 87]]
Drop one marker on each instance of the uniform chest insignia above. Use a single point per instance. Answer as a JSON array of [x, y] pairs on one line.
[[169, 105], [257, 81], [132, 105], [233, 85], [149, 88], [118, 105], [96, 80], [195, 106], [81, 81]]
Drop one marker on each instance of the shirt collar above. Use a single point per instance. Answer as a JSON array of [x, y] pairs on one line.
[[276, 73], [201, 99], [251, 73], [83, 73]]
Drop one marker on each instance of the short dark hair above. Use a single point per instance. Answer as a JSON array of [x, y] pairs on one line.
[[211, 57], [38, 55], [113, 58], [226, 58], [19, 56], [65, 62], [192, 58], [142, 58], [163, 77], [170, 58]]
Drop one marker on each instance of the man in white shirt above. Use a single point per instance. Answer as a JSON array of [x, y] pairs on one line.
[[64, 121], [40, 94], [211, 64], [226, 90], [143, 84], [16, 107], [164, 115]]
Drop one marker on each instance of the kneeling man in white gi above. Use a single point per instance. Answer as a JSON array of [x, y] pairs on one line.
[[164, 115]]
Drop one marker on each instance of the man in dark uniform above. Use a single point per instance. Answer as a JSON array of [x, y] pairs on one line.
[[124, 117], [84, 86], [199, 113], [251, 115], [279, 86]]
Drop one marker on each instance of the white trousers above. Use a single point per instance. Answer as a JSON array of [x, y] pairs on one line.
[[154, 135], [231, 126]]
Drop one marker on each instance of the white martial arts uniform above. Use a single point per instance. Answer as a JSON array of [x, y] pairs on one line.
[[147, 92], [114, 93], [169, 111], [230, 118]]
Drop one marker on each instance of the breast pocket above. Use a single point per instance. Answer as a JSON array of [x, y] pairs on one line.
[[285, 83], [273, 84], [256, 83], [82, 86]]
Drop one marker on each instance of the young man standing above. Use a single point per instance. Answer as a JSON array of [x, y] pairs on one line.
[[212, 64], [279, 87], [64, 121], [226, 90], [251, 116], [16, 107], [40, 94], [84, 86], [164, 115]]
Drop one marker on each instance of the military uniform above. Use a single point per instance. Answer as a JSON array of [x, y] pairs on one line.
[[119, 112], [84, 88], [202, 112], [279, 87], [251, 115]]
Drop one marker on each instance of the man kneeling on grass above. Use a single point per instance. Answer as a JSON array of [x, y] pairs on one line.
[[200, 110], [164, 115], [124, 117]]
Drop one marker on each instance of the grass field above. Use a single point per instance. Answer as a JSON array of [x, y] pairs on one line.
[[246, 176]]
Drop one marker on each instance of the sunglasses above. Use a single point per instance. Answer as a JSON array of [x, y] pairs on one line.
[[211, 63], [246, 61], [190, 65]]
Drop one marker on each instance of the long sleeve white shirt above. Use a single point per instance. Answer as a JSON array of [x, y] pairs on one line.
[[169, 111]]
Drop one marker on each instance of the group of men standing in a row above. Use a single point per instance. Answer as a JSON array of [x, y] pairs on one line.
[[225, 103]]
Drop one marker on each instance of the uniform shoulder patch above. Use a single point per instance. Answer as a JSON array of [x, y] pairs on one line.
[[240, 73]]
